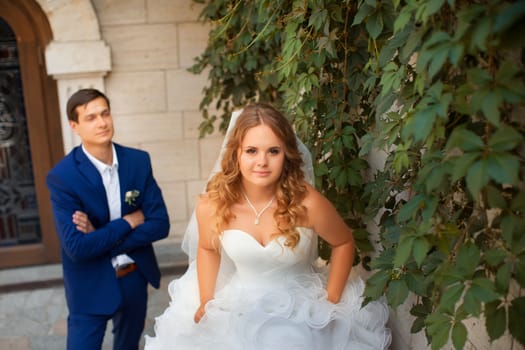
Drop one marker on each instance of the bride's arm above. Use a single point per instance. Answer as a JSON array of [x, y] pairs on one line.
[[208, 258], [327, 222]]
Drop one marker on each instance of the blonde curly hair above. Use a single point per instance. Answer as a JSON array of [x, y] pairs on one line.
[[224, 188]]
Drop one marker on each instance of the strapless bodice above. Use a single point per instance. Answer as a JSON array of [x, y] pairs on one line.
[[275, 260]]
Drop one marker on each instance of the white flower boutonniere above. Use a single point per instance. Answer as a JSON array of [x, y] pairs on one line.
[[130, 197]]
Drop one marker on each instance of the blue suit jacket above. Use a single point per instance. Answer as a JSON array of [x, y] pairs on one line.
[[75, 184]]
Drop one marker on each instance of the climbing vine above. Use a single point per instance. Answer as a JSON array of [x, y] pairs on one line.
[[438, 87]]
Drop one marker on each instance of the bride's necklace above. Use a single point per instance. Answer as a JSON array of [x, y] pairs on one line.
[[257, 213]]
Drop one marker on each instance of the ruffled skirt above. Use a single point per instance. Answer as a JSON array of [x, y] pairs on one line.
[[290, 314]]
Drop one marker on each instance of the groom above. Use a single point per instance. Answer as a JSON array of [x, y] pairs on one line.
[[108, 209]]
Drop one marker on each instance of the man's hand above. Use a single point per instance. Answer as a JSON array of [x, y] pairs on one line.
[[82, 221], [134, 219]]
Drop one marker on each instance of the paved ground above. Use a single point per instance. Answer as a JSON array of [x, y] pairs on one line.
[[33, 311]]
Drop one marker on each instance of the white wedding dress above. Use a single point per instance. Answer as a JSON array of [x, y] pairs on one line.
[[269, 297]]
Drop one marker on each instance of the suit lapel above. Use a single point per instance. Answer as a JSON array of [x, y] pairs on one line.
[[124, 169], [91, 174], [87, 169]]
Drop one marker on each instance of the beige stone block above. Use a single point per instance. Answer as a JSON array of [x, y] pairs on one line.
[[478, 338], [174, 194], [60, 327], [146, 37], [173, 10], [15, 343], [177, 230], [185, 90], [176, 160], [120, 11], [136, 92], [209, 152], [71, 20], [400, 323], [145, 60], [77, 58], [193, 41], [144, 128], [194, 189]]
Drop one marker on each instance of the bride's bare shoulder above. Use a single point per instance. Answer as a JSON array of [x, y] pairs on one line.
[[203, 208]]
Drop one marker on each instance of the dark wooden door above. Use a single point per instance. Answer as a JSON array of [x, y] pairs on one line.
[[30, 136]]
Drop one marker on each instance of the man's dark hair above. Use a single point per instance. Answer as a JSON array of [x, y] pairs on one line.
[[80, 98]]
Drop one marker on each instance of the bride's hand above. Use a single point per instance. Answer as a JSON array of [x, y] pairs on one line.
[[199, 314]]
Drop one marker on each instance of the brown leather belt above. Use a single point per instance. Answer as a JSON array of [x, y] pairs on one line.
[[124, 270]]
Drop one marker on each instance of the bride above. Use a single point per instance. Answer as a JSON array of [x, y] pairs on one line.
[[253, 281]]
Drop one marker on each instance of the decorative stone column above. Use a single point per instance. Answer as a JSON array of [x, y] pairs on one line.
[[76, 65], [77, 57]]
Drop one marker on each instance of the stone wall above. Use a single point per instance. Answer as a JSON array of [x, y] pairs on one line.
[[154, 98], [138, 53]]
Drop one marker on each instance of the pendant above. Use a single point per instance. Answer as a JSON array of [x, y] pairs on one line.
[[256, 220]]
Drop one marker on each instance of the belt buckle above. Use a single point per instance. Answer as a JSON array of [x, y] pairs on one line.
[[124, 270]]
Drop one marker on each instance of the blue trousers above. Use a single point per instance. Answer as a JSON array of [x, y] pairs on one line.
[[86, 331]]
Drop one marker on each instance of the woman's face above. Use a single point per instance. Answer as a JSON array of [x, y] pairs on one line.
[[261, 157]]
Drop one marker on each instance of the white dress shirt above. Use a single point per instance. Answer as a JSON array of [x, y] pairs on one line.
[[111, 183]]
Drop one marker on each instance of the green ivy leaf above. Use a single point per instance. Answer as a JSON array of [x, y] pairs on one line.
[[439, 56], [417, 325], [397, 293], [518, 202], [375, 284], [374, 25], [450, 297], [503, 278], [410, 208], [503, 168], [421, 246], [490, 106], [423, 309], [480, 33], [494, 256], [477, 177], [505, 138], [460, 165], [459, 335], [318, 18], [402, 20], [363, 12], [438, 327], [483, 289], [517, 319], [509, 15], [465, 140], [432, 6], [471, 304], [520, 271], [495, 198], [403, 250], [468, 259], [495, 319], [416, 283], [456, 54]]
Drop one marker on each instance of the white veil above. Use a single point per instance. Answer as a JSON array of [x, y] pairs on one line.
[[191, 236]]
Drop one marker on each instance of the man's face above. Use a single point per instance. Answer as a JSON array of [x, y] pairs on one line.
[[95, 124]]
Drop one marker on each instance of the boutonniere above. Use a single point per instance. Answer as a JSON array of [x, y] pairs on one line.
[[130, 197]]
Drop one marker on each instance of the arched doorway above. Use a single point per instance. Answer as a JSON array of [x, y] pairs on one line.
[[30, 136]]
